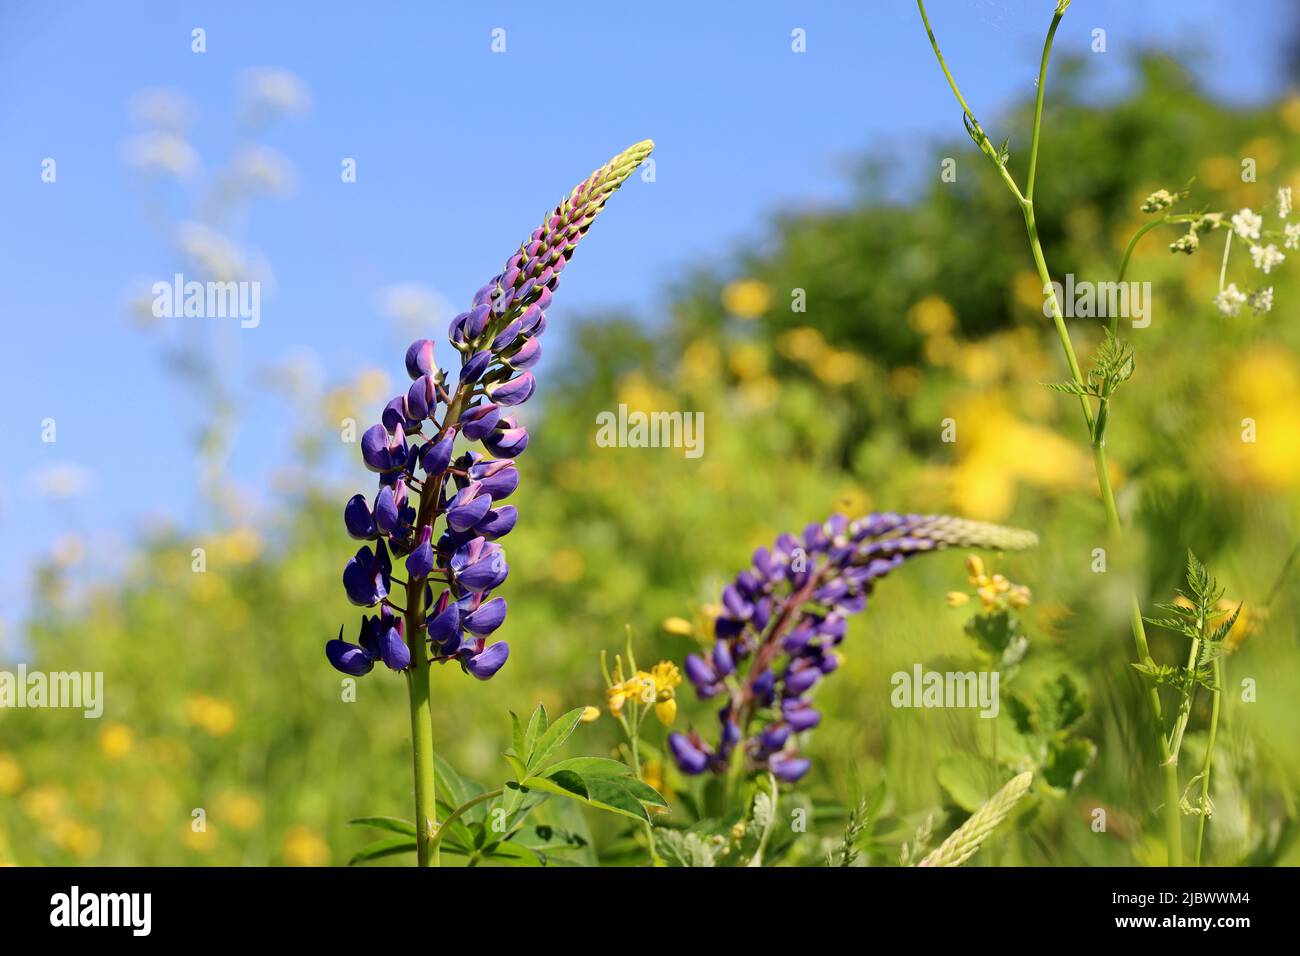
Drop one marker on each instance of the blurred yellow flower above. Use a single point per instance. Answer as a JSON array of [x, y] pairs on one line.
[[639, 394], [747, 298], [701, 362], [995, 592], [79, 839], [1219, 172], [1248, 622], [242, 811], [566, 566], [941, 350], [201, 841], [840, 367], [747, 361], [590, 714], [996, 451], [677, 626], [956, 598], [801, 345], [1263, 386], [115, 741], [303, 846], [44, 804], [241, 546], [11, 775], [210, 714], [904, 381], [371, 385], [762, 393], [852, 501], [932, 315], [1027, 292]]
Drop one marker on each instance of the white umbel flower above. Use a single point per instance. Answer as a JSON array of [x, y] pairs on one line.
[[1266, 257], [1262, 301], [1292, 240], [1230, 300], [1284, 201], [1247, 224]]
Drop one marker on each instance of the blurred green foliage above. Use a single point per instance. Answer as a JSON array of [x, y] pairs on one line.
[[219, 698]]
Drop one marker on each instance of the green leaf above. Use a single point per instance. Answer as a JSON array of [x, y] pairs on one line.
[[592, 767], [642, 791], [450, 782], [553, 739], [514, 855], [1067, 760], [389, 846], [963, 779], [392, 824], [609, 793], [565, 784], [516, 765], [517, 736], [536, 725]]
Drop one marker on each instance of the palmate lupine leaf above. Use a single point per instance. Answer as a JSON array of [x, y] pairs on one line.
[[966, 839]]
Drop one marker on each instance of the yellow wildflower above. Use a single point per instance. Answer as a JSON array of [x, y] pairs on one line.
[[590, 714], [932, 315], [677, 626], [956, 598], [115, 741], [303, 846], [11, 776], [216, 717], [241, 810], [747, 298]]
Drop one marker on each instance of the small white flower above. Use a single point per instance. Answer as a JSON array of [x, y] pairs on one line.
[[1262, 301], [1292, 231], [1266, 257], [1284, 201], [1230, 300], [1246, 224]]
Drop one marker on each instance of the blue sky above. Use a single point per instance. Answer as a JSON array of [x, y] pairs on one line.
[[459, 151]]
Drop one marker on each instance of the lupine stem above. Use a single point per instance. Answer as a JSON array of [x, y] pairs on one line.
[[1208, 763], [1173, 821]]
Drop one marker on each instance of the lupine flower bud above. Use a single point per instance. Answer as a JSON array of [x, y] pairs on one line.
[[473, 369], [444, 627], [487, 617], [514, 392], [358, 519], [420, 359], [477, 423], [498, 477], [498, 522], [690, 758], [486, 662], [367, 577], [809, 585], [526, 355], [437, 456], [508, 440], [421, 561], [468, 507]]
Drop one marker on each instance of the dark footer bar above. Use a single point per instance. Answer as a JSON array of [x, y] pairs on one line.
[[217, 905]]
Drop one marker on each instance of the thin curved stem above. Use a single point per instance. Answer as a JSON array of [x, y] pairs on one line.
[[1208, 763], [435, 845], [1038, 106]]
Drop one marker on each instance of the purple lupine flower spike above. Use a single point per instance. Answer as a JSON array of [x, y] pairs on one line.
[[782, 619], [412, 450]]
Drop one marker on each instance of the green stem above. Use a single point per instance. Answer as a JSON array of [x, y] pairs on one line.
[[1038, 106], [435, 845], [417, 679], [1173, 821], [1207, 765], [1132, 246]]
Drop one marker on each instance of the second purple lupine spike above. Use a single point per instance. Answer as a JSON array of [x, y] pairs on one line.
[[782, 618]]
